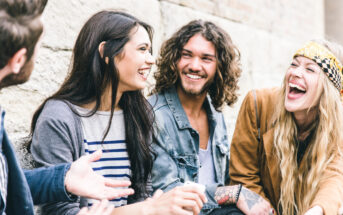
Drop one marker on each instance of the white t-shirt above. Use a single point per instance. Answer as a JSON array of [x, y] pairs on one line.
[[114, 163]]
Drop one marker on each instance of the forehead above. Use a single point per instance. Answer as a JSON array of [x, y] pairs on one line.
[[139, 35], [305, 60], [200, 44]]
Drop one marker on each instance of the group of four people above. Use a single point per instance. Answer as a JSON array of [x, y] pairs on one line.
[[285, 155]]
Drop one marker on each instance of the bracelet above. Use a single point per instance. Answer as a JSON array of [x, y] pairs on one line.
[[238, 192]]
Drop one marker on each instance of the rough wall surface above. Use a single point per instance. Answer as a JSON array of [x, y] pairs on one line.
[[267, 32]]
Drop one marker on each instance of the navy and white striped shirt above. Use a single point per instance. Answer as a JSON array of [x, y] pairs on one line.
[[114, 162]]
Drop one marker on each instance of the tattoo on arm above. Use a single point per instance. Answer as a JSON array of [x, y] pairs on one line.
[[226, 195], [251, 198]]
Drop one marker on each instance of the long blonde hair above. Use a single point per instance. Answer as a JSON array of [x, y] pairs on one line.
[[299, 184]]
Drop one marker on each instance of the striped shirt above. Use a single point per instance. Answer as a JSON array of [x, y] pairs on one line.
[[3, 169], [114, 162]]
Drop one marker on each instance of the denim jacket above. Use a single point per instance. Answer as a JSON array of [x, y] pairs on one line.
[[32, 186], [177, 147]]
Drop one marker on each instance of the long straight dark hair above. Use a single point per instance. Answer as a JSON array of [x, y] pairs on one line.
[[90, 76]]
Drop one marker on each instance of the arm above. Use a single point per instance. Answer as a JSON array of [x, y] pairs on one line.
[[330, 192], [53, 143], [245, 200], [244, 157]]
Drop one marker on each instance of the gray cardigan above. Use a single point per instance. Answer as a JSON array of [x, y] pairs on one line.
[[58, 138]]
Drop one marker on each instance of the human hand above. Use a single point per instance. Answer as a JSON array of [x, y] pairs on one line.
[[251, 203], [81, 180], [99, 208], [177, 201], [316, 210]]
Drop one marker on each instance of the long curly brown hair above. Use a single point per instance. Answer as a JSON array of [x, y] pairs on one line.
[[225, 84]]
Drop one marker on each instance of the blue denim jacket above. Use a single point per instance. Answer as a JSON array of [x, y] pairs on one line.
[[177, 146], [32, 186]]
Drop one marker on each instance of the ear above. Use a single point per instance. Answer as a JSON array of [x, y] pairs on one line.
[[101, 50], [18, 60]]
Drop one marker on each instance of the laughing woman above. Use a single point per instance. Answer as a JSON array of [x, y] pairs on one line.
[[287, 145], [100, 106]]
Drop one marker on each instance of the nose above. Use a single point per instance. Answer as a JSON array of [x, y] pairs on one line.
[[150, 59], [195, 64], [297, 72]]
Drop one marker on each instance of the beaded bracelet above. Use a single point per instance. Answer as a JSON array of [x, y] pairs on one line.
[[238, 192]]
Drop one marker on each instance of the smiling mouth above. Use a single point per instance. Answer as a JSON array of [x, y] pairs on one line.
[[144, 72], [296, 89]]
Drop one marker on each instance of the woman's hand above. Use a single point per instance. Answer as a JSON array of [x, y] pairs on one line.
[[185, 200], [99, 208], [251, 203], [316, 210]]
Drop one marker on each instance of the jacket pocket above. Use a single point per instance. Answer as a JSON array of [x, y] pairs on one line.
[[188, 169]]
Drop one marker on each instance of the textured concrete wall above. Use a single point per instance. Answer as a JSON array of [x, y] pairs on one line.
[[267, 32], [334, 20]]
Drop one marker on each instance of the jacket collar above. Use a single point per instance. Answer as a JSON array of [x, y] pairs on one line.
[[178, 112]]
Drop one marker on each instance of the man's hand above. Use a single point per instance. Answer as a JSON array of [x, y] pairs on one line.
[[99, 208], [251, 203], [316, 210], [187, 200], [81, 180]]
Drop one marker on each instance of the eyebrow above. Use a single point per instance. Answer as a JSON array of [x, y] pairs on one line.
[[205, 55]]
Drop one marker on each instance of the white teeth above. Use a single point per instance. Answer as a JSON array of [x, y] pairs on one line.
[[193, 76], [296, 86]]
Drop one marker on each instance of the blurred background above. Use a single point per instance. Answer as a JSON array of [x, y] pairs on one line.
[[267, 33]]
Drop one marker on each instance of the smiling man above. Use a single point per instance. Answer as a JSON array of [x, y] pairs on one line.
[[198, 71]]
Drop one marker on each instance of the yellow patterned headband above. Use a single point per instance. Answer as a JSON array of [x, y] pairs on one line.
[[326, 60]]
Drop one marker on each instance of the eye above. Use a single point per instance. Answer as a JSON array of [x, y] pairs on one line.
[[185, 54], [207, 59], [143, 48], [309, 69], [294, 64]]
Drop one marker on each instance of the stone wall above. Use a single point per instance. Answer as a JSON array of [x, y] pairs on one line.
[[267, 32]]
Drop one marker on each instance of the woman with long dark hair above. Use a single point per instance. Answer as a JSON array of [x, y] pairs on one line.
[[100, 106]]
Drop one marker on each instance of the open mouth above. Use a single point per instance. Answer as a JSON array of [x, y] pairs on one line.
[[144, 72], [296, 89]]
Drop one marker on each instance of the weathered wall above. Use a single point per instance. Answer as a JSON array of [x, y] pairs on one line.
[[267, 32]]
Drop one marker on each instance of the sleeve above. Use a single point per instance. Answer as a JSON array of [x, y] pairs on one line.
[[165, 172], [47, 184], [244, 152], [52, 144], [330, 192]]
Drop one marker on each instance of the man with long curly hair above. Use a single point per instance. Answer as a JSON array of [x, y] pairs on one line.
[[198, 71]]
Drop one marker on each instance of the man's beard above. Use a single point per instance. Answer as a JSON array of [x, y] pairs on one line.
[[203, 90], [21, 77]]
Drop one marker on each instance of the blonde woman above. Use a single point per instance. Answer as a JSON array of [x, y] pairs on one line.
[[288, 141]]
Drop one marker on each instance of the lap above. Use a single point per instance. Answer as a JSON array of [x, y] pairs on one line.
[[227, 210]]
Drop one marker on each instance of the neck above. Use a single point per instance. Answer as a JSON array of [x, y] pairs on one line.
[[192, 104], [106, 100], [304, 121]]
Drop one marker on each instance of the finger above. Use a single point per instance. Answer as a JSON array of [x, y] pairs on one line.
[[196, 190], [94, 156], [194, 197], [180, 211], [116, 193], [94, 207], [83, 211], [108, 210], [116, 183], [157, 194], [190, 205], [102, 207]]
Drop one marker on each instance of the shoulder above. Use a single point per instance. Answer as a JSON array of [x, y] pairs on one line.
[[158, 101], [57, 110]]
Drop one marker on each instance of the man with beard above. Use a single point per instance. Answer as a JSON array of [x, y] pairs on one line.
[[20, 32], [198, 71]]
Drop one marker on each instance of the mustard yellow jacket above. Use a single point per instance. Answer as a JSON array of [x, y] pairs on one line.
[[254, 164]]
